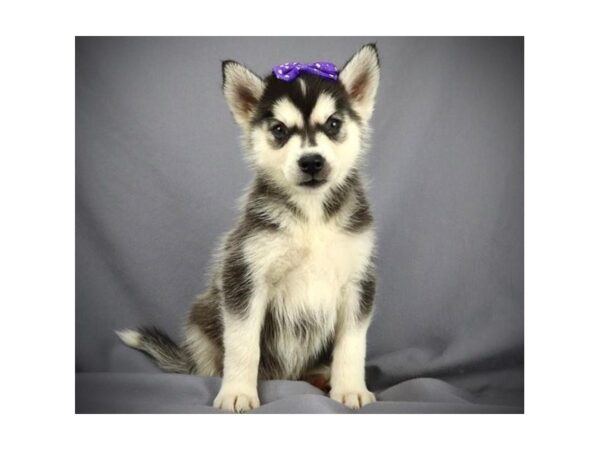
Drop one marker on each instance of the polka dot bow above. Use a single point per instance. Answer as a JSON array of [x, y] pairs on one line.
[[289, 71]]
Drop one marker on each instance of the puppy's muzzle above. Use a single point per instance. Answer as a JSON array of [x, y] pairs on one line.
[[311, 164], [314, 169]]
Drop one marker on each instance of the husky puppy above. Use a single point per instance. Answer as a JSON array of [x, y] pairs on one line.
[[293, 283]]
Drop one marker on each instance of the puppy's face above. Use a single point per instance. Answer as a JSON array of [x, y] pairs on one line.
[[305, 134]]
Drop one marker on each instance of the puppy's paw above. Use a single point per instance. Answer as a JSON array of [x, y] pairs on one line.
[[353, 398], [236, 401]]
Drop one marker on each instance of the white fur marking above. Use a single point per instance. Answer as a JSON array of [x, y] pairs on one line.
[[324, 108], [130, 337], [302, 86], [285, 111]]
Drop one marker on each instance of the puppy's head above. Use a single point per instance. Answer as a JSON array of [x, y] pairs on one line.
[[305, 134]]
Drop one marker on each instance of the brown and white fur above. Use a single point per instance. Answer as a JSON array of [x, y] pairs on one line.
[[293, 283]]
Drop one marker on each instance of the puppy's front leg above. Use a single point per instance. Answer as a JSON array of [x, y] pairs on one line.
[[348, 365], [241, 340]]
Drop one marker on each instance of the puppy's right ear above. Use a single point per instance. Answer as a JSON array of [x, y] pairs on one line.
[[243, 89]]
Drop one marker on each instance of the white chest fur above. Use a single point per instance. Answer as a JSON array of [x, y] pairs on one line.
[[304, 272], [309, 263]]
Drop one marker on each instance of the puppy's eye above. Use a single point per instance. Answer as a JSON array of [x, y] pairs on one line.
[[332, 126], [279, 131]]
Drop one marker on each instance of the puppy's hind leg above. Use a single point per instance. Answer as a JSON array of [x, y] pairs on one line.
[[206, 354], [204, 335]]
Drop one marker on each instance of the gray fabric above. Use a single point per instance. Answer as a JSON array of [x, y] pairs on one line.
[[159, 169]]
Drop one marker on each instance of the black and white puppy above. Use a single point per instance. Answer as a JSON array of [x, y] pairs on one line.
[[293, 283]]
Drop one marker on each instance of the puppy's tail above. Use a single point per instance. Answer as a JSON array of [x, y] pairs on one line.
[[166, 354]]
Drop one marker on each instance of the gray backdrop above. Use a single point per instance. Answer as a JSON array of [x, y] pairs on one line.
[[159, 170]]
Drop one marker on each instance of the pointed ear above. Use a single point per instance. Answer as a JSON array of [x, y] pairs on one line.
[[243, 89], [360, 77]]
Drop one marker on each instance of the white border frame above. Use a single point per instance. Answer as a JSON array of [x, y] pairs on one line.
[[562, 222]]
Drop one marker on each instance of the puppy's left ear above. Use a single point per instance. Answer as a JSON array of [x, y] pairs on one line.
[[243, 89], [360, 77]]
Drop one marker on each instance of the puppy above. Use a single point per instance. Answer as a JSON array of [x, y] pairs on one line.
[[293, 283]]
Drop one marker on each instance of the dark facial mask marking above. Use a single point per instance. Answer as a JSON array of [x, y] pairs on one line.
[[305, 103]]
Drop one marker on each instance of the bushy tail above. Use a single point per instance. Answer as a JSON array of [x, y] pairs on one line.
[[166, 354]]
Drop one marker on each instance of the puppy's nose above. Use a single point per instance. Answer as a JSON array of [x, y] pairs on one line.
[[311, 163]]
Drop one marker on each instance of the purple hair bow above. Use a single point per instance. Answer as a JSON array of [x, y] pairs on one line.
[[289, 71]]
